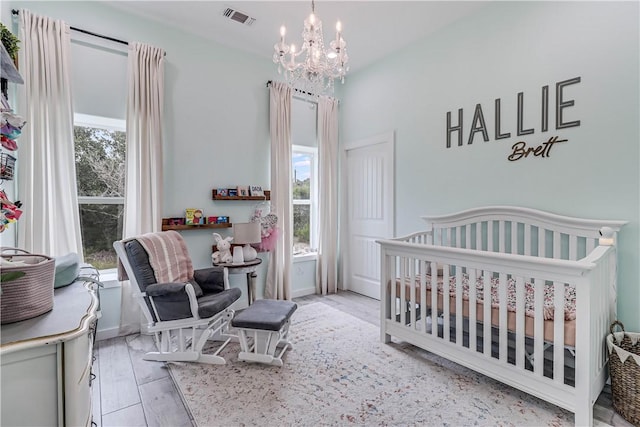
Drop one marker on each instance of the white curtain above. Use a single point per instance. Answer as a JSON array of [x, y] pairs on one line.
[[278, 284], [46, 169], [143, 183], [327, 264]]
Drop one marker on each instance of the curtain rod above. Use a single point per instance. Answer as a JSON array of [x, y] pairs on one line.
[[297, 90], [303, 92], [17, 12]]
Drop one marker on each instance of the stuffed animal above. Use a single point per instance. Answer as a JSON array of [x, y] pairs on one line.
[[223, 254]]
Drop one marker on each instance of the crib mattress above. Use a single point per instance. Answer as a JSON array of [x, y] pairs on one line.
[[548, 324]]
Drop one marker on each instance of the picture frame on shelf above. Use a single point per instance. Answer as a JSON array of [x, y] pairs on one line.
[[256, 191], [243, 191], [222, 192], [232, 192]]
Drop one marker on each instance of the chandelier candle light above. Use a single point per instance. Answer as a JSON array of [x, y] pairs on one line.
[[318, 67]]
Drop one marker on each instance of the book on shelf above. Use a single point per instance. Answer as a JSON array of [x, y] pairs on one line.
[[256, 191], [243, 191], [194, 216]]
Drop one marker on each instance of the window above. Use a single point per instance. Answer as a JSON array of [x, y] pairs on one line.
[[304, 155], [100, 145], [304, 174]]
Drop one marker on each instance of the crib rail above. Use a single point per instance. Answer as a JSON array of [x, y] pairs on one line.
[[527, 344], [518, 230]]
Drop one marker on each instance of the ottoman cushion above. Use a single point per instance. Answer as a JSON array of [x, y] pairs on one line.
[[265, 314]]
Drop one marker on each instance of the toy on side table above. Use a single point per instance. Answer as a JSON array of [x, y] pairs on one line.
[[223, 254]]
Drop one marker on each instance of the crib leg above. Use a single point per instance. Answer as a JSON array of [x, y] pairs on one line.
[[385, 338], [584, 407], [584, 416]]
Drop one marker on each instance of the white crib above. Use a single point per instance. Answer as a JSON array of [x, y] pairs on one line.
[[552, 293]]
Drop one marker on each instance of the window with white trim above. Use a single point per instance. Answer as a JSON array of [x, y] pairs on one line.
[[305, 199], [100, 146]]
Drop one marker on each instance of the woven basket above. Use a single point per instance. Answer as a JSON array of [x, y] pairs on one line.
[[624, 364], [30, 295]]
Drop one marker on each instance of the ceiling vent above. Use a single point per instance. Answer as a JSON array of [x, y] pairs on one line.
[[238, 16]]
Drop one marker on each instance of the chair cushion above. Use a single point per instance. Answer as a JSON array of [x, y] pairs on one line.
[[196, 288], [265, 314], [173, 307], [210, 279], [139, 261], [211, 304], [169, 290]]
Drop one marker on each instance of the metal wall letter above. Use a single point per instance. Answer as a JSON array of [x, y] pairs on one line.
[[561, 104], [521, 131], [478, 125], [454, 128], [497, 129], [545, 109]]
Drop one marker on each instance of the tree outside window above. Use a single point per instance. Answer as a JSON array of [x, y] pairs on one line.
[[100, 146], [304, 199]]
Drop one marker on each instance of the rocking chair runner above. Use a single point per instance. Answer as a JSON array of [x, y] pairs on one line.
[[183, 307]]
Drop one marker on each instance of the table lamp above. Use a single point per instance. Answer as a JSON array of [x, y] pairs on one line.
[[246, 233]]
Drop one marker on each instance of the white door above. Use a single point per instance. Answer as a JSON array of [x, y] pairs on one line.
[[368, 168]]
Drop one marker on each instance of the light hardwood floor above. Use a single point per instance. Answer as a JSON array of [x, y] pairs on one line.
[[131, 392]]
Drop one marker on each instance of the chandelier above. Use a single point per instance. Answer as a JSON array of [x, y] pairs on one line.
[[312, 68]]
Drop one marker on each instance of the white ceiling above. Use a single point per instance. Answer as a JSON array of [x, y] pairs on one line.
[[372, 29]]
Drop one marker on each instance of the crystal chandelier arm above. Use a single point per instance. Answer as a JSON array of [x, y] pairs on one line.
[[319, 65]]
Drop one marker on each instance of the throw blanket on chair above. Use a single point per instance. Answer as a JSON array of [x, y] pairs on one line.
[[168, 256]]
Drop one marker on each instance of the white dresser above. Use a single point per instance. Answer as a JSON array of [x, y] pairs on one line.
[[46, 362]]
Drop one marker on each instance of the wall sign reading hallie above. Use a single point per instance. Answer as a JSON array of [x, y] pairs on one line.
[[520, 149]]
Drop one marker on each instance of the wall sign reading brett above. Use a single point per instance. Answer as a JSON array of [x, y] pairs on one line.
[[520, 149]]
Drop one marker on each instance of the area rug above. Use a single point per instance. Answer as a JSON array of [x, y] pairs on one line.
[[339, 373]]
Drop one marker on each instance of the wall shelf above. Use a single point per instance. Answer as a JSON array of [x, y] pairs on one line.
[[166, 227], [215, 196]]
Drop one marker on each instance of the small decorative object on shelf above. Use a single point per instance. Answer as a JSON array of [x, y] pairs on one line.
[[222, 219], [243, 191], [256, 191], [194, 216], [232, 194]]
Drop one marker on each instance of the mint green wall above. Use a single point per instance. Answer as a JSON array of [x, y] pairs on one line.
[[216, 111], [506, 48]]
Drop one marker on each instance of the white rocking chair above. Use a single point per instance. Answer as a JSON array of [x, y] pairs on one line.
[[183, 316]]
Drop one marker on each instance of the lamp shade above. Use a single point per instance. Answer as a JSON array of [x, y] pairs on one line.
[[246, 232]]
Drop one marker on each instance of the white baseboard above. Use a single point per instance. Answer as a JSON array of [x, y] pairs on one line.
[[303, 292], [106, 334]]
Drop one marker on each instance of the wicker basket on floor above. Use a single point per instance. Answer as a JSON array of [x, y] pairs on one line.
[[624, 364], [31, 294]]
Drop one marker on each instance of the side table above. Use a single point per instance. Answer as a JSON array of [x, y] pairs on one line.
[[249, 268]]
